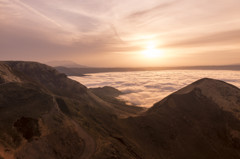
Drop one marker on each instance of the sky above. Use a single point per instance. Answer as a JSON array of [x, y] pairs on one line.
[[126, 33]]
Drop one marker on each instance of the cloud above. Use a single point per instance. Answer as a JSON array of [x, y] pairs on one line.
[[147, 88], [35, 11], [148, 12], [224, 37], [23, 43], [101, 29]]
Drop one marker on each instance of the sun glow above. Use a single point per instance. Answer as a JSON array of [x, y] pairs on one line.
[[152, 51]]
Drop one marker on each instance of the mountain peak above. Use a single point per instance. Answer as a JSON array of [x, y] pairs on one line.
[[206, 84], [225, 95]]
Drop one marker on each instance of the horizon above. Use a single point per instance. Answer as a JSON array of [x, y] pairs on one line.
[[176, 33], [79, 65], [172, 66]]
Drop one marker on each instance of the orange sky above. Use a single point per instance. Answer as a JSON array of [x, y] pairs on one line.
[[126, 33]]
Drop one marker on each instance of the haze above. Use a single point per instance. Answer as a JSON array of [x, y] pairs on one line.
[[113, 33]]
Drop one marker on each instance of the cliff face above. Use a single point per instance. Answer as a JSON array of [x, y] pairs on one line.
[[43, 114]]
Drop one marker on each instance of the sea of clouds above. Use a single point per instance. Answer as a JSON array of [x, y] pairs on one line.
[[145, 88]]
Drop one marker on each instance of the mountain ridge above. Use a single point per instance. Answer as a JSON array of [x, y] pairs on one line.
[[74, 71], [65, 63], [46, 115]]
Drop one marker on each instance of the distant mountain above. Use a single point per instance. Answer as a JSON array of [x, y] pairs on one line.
[[68, 64], [44, 114], [106, 91], [81, 71], [70, 71]]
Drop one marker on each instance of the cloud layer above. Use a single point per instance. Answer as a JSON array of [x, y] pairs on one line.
[[146, 88]]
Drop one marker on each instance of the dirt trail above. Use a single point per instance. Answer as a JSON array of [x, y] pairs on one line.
[[89, 142]]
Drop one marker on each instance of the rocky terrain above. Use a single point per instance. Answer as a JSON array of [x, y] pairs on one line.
[[44, 114]]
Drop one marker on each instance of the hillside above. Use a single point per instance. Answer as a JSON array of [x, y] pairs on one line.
[[44, 114], [198, 121]]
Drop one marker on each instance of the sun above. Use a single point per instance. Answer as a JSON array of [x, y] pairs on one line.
[[152, 51]]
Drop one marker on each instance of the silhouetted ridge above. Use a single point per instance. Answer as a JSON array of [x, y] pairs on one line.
[[46, 76]]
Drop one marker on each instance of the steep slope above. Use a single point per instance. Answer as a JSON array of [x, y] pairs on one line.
[[46, 115], [32, 125], [29, 118], [226, 96], [198, 121]]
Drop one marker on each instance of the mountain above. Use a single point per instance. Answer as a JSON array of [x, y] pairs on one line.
[[74, 71], [44, 114], [198, 121], [106, 91], [70, 71], [65, 64]]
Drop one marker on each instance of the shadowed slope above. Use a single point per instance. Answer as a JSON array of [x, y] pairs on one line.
[[70, 118], [191, 123]]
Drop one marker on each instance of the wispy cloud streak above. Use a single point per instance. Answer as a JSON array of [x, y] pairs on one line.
[[115, 28], [33, 10]]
